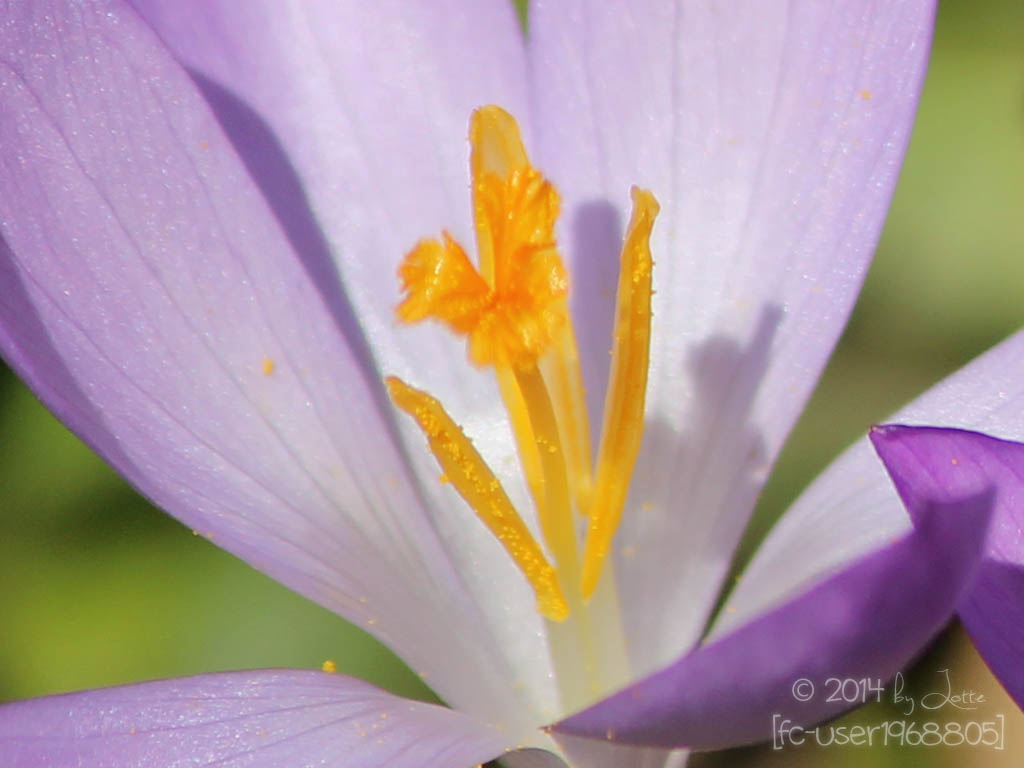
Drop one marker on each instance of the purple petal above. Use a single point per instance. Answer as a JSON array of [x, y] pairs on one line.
[[370, 105], [772, 133], [150, 297], [352, 117], [865, 622], [939, 464], [264, 718], [993, 613]]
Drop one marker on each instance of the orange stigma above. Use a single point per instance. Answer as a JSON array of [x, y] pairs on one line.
[[512, 309]]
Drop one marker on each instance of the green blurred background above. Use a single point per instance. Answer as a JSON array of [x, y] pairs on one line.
[[98, 588]]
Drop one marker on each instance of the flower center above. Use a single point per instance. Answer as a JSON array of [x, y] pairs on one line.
[[513, 310]]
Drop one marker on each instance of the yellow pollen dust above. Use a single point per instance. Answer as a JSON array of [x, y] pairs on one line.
[[512, 308]]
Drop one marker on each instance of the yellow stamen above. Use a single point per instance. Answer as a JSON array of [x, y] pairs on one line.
[[623, 425], [526, 445], [573, 643], [562, 370], [555, 511], [473, 479]]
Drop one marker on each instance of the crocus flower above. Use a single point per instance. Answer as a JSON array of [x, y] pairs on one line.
[[203, 209]]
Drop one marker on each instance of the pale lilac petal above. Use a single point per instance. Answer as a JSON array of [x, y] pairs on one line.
[[864, 623], [938, 464], [362, 109], [772, 133], [261, 719], [852, 508], [154, 303]]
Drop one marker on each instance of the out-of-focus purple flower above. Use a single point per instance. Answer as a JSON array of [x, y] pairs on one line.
[[203, 205]]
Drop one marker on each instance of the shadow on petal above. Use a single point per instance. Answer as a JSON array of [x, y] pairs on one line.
[[265, 159], [678, 542], [594, 250]]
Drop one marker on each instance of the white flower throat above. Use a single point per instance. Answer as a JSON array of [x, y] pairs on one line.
[[514, 312]]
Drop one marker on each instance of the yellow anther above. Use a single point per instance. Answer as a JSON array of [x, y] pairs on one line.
[[623, 425], [329, 667], [522, 431], [473, 479]]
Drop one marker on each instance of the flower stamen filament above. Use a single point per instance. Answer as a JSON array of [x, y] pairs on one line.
[[623, 425], [469, 474], [561, 367], [522, 432], [555, 511]]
